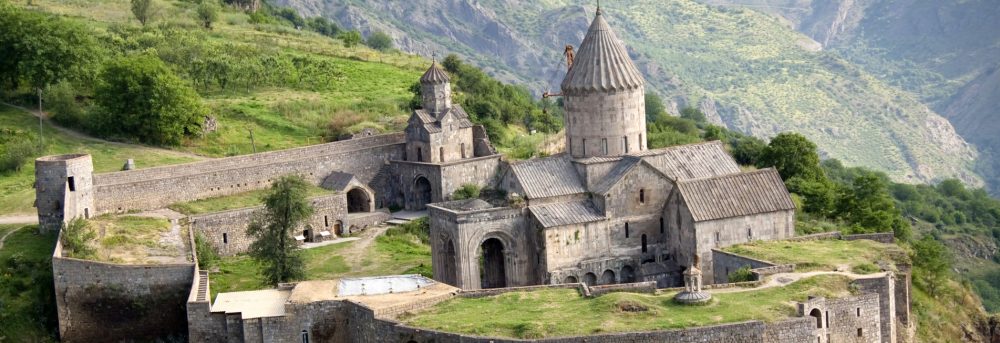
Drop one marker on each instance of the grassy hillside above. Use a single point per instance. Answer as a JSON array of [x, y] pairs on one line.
[[741, 67], [28, 313]]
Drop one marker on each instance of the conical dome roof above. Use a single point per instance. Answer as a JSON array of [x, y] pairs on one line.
[[434, 74], [601, 63]]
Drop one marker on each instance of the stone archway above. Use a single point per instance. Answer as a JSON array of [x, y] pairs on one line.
[[608, 277], [815, 313], [358, 200], [590, 279], [627, 274], [421, 193], [492, 265], [570, 279]]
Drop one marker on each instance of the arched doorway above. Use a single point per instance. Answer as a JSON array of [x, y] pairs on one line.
[[815, 313], [590, 279], [608, 277], [358, 201], [421, 193], [448, 267], [627, 274], [570, 279], [492, 269]]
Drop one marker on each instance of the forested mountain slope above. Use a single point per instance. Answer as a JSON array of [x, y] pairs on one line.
[[742, 67]]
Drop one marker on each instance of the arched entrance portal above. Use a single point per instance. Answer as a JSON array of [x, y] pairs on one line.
[[358, 201], [570, 279], [421, 193], [628, 274], [492, 269], [608, 277], [590, 279], [815, 313]]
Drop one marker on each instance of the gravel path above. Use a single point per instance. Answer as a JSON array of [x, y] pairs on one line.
[[19, 219]]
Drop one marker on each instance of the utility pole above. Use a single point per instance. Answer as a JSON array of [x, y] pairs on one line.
[[41, 140], [252, 143]]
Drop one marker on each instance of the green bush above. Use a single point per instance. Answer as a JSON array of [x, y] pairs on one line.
[[207, 256], [380, 41], [420, 228], [75, 236], [742, 274], [467, 191], [60, 102]]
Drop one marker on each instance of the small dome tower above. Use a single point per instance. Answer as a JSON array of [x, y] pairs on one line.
[[435, 90], [604, 97]]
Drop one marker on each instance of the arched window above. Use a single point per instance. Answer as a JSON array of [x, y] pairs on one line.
[[420, 155], [642, 196], [305, 336], [441, 153], [626, 229], [644, 243], [584, 146], [463, 150], [625, 143], [661, 226], [604, 144]]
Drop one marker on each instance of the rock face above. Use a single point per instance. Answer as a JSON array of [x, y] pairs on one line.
[[697, 54]]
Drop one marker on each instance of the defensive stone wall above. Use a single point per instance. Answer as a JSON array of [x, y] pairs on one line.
[[105, 302], [63, 189], [881, 237], [158, 187], [647, 287], [792, 330], [479, 293], [725, 263]]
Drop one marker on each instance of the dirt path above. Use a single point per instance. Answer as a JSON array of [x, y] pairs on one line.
[[783, 279], [19, 219], [4, 238], [355, 252], [82, 136]]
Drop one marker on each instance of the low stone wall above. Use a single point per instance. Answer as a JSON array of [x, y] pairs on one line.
[[760, 273], [226, 231], [816, 236], [725, 263], [791, 330], [648, 287], [881, 237], [479, 293], [394, 311], [105, 302]]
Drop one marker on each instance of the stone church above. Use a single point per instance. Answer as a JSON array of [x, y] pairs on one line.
[[608, 209]]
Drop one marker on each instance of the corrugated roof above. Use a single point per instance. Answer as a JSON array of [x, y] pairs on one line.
[[546, 177], [565, 213], [601, 63], [735, 195], [434, 74], [692, 161]]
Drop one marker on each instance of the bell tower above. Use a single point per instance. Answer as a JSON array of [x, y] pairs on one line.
[[435, 91]]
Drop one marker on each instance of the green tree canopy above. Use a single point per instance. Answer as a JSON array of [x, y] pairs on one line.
[[323, 26], [868, 205], [274, 247], [793, 155], [351, 38], [43, 50], [143, 10], [208, 13], [380, 41], [654, 107], [931, 261], [139, 97]]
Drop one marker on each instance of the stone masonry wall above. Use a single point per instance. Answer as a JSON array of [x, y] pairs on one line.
[[158, 187], [63, 189], [104, 302], [226, 231], [725, 263]]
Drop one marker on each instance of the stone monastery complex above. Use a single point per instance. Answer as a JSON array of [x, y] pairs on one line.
[[608, 214]]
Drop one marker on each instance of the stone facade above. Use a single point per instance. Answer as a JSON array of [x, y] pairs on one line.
[[65, 189]]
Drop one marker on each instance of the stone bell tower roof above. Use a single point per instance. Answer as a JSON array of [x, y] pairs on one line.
[[434, 74], [601, 63]]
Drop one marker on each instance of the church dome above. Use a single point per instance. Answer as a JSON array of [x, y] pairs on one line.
[[601, 63], [434, 74]]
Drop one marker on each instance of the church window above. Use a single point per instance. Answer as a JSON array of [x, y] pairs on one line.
[[584, 146], [420, 155], [604, 143], [305, 336], [749, 233], [641, 142], [642, 196], [859, 332], [859, 312], [625, 143], [72, 184], [225, 238], [718, 237], [626, 229], [441, 153], [644, 243], [463, 150], [661, 226], [326, 221]]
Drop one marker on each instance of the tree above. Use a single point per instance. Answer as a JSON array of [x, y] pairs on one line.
[[323, 26], [291, 16], [208, 13], [285, 209], [931, 261], [351, 38], [868, 205], [654, 107], [793, 156], [43, 49], [694, 114], [140, 97], [144, 10], [380, 41]]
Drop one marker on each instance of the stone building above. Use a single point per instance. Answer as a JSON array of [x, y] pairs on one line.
[[608, 210]]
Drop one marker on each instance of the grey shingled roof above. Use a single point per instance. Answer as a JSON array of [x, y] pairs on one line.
[[434, 74], [601, 63], [617, 173], [692, 161], [565, 213], [546, 177], [337, 181], [749, 193], [432, 125]]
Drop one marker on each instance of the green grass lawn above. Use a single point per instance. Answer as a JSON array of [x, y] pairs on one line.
[[563, 312], [232, 202], [390, 254], [822, 255], [27, 306], [16, 193]]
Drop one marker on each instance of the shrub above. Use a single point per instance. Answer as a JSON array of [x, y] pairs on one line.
[[75, 236], [16, 153], [60, 101], [742, 274], [207, 256], [467, 191], [380, 41]]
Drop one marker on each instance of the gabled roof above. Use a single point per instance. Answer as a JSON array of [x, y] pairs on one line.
[[616, 174], [691, 161], [601, 63], [565, 213], [434, 74], [742, 194], [337, 181], [433, 125], [546, 177]]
